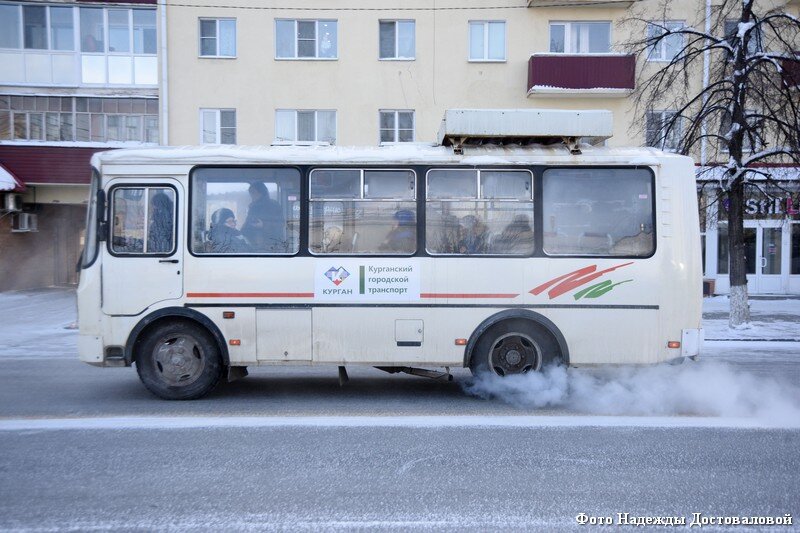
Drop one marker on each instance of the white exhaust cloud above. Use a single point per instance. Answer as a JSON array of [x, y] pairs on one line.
[[691, 389]]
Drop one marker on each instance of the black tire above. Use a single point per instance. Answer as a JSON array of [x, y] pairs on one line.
[[178, 360], [514, 346]]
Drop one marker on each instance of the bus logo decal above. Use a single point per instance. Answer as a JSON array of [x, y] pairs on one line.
[[579, 277], [337, 275]]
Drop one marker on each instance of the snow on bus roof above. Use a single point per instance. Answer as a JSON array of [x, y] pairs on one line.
[[400, 153]]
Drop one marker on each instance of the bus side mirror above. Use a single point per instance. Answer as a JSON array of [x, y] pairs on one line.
[[102, 227]]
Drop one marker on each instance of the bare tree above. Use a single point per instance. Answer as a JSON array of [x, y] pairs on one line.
[[743, 114]]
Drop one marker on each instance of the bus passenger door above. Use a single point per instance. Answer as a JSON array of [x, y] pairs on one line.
[[143, 256]]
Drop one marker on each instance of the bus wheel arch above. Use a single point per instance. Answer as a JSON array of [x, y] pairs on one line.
[[519, 334], [173, 314]]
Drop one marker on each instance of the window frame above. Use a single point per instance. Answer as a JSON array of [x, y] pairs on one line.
[[218, 131], [662, 113], [653, 208], [362, 198], [485, 58], [217, 55], [397, 56], [192, 184], [110, 218], [532, 170], [396, 129], [296, 40], [568, 24], [662, 45], [316, 126]]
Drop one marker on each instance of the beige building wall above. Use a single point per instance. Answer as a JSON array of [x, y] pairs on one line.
[[357, 84]]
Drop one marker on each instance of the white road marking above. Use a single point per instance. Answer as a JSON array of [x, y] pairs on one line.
[[207, 422]]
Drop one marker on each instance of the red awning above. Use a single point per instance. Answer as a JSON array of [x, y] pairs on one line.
[[48, 165]]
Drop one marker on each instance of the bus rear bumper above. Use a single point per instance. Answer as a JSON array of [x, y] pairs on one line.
[[692, 342]]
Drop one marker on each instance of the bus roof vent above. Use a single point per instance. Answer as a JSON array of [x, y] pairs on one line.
[[462, 127]]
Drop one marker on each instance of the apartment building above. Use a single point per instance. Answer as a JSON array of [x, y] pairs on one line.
[[75, 78], [261, 73]]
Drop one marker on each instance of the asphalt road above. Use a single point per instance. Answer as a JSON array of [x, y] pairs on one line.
[[90, 449]]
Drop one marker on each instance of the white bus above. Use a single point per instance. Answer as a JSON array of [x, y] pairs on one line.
[[200, 262]]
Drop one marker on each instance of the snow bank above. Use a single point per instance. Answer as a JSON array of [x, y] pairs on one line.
[[692, 389]]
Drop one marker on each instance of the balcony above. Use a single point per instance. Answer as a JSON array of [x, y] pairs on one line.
[[621, 4], [584, 75]]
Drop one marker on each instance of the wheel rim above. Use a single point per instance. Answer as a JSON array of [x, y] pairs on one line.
[[179, 360], [514, 353]]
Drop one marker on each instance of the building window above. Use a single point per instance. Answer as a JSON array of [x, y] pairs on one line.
[[487, 41], [732, 34], [306, 39], [657, 135], [668, 47], [580, 37], [396, 126], [305, 126], [217, 37], [218, 126], [795, 249], [9, 26], [397, 39], [68, 118]]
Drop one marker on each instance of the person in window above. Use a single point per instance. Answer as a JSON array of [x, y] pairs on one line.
[[265, 226], [159, 234], [517, 237], [403, 235], [473, 236], [225, 238]]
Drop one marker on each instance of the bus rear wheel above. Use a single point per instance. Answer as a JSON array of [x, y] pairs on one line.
[[179, 361], [515, 346]]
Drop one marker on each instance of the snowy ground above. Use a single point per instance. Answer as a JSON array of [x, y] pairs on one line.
[[771, 320]]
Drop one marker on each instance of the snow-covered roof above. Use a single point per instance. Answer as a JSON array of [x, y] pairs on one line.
[[9, 182], [412, 153]]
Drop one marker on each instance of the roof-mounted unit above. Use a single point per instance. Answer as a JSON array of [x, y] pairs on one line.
[[524, 126]]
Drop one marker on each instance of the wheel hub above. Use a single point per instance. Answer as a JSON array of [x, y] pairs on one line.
[[514, 353], [179, 360]]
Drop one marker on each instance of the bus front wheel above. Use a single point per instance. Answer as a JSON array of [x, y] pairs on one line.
[[515, 346], [179, 360]]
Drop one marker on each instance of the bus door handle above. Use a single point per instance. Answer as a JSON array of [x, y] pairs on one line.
[[174, 261]]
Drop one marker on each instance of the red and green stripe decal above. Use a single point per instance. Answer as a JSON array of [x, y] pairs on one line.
[[578, 278]]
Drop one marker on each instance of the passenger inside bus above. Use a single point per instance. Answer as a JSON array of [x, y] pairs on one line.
[[160, 228], [403, 235], [224, 237], [516, 238], [474, 236], [265, 226]]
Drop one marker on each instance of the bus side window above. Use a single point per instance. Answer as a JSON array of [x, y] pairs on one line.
[[479, 212], [143, 220], [601, 212], [363, 211]]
